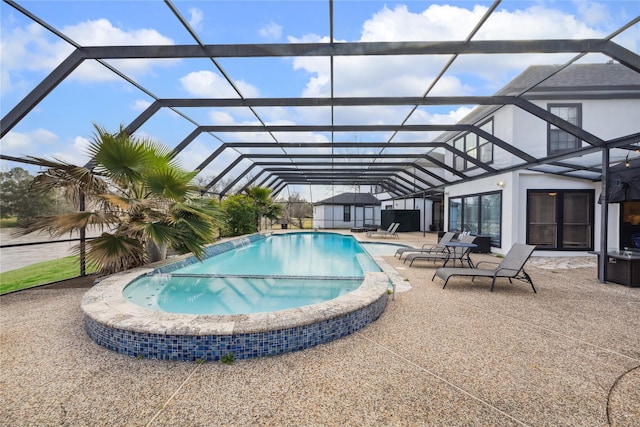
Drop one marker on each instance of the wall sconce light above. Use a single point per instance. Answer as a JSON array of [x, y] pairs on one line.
[[500, 184], [626, 161]]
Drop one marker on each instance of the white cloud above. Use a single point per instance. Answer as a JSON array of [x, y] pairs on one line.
[[77, 155], [411, 75], [140, 105], [19, 143], [221, 118], [27, 49], [207, 84], [101, 32], [271, 31], [31, 48], [437, 22], [196, 18]]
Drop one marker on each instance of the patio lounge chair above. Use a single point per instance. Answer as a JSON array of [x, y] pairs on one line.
[[370, 232], [384, 233], [511, 267], [446, 255], [438, 247]]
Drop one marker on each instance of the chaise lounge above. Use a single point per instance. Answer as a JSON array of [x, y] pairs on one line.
[[511, 267], [447, 254], [377, 230], [438, 247], [391, 231]]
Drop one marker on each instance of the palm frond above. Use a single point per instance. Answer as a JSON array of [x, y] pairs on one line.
[[113, 253], [74, 180], [170, 182], [261, 195], [127, 203], [62, 224], [119, 156], [161, 233]]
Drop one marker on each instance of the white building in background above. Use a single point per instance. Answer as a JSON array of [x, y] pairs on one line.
[[347, 210]]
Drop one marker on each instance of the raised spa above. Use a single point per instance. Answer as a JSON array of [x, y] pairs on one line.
[[252, 297]]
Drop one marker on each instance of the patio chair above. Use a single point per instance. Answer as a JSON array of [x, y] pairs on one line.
[[511, 267], [371, 232], [445, 255], [391, 232], [438, 247]]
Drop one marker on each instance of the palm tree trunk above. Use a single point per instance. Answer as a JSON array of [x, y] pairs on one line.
[[155, 252]]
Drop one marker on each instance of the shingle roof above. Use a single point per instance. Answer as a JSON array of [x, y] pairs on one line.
[[357, 199], [574, 78]]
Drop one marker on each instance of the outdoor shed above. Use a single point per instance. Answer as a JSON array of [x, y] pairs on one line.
[[347, 210]]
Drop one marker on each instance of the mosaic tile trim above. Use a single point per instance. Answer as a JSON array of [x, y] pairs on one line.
[[243, 346], [212, 250]]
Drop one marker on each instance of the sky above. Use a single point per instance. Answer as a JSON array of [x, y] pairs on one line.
[[61, 125]]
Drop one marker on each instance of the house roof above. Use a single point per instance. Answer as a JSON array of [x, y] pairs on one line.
[[357, 199], [576, 78]]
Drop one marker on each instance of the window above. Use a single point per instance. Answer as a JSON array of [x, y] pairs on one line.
[[346, 213], [459, 163], [473, 146], [629, 224], [478, 214], [560, 219], [485, 148], [560, 141]]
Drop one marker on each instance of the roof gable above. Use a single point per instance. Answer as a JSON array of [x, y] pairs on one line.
[[357, 199]]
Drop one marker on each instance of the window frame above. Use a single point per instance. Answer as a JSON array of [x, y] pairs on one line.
[[560, 193], [346, 213], [551, 127], [495, 242], [471, 144]]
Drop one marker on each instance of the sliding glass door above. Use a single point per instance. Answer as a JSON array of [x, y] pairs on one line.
[[479, 214], [560, 219]]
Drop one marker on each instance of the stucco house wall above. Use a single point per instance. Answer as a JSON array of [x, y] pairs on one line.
[[605, 118]]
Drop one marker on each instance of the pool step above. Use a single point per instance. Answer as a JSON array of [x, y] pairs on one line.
[[367, 263]]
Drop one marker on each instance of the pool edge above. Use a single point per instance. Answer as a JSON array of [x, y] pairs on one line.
[[117, 324]]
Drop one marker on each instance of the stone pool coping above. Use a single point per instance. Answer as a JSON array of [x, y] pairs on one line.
[[105, 304]]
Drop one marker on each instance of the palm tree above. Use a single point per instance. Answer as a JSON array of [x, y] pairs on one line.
[[140, 198], [264, 205]]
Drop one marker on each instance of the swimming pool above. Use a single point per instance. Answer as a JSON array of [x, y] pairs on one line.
[[116, 323], [275, 273]]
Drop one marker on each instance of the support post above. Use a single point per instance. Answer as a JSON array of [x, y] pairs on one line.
[[604, 217], [424, 213], [83, 239]]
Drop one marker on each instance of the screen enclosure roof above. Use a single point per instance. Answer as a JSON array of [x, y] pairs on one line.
[[316, 94]]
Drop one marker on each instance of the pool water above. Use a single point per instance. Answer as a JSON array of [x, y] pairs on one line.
[[292, 254], [271, 274]]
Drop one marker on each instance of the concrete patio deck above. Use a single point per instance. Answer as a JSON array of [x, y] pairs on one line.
[[461, 356]]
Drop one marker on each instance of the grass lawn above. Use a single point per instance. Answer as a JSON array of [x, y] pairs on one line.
[[8, 222], [40, 273]]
